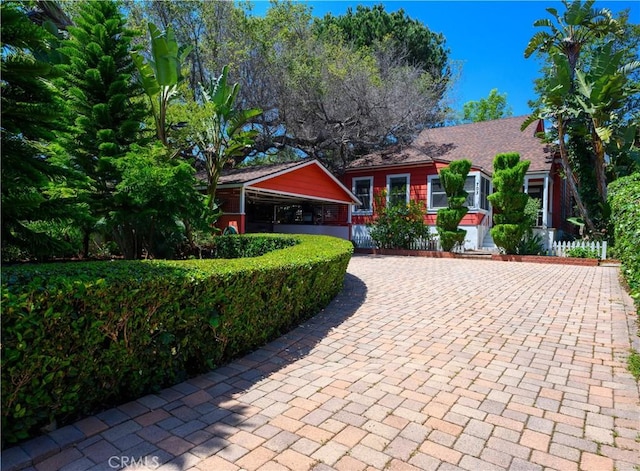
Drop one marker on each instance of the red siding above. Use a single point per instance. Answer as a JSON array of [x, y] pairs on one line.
[[235, 220], [229, 199], [309, 180], [470, 219], [417, 189], [417, 183]]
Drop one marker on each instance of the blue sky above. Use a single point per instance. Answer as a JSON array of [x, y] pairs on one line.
[[487, 37]]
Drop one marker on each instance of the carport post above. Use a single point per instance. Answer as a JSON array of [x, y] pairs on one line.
[[242, 200]]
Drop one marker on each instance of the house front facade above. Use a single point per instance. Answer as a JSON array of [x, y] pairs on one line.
[[405, 173]]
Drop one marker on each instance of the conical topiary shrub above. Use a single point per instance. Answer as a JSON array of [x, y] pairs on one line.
[[509, 200], [452, 179]]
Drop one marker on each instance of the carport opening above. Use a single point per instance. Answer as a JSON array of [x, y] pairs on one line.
[[277, 213]]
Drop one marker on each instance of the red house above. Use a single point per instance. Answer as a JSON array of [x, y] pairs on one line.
[[300, 197], [411, 173]]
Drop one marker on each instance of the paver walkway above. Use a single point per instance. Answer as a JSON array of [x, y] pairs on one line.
[[420, 364]]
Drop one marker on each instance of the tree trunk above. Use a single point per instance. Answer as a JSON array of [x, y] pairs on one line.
[[86, 239], [601, 170], [573, 187]]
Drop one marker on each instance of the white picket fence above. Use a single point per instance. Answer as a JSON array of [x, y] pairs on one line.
[[559, 249]]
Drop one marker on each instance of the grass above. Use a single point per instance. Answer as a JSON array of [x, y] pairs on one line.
[[633, 363]]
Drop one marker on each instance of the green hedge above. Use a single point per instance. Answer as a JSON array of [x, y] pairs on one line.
[[624, 198], [80, 336], [253, 245]]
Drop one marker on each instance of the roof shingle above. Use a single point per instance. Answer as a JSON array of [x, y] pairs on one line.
[[478, 142]]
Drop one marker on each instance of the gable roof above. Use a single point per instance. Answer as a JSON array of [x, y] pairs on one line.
[[240, 175], [478, 142], [306, 178]]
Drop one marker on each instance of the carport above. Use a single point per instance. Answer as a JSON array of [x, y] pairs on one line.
[[301, 197]]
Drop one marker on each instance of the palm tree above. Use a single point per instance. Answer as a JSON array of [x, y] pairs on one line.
[[579, 26]]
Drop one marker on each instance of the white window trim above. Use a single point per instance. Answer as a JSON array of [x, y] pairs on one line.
[[353, 190], [407, 177], [430, 179], [476, 191]]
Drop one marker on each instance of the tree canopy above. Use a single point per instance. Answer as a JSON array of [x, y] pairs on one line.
[[323, 94], [493, 107], [372, 27], [88, 160], [590, 93], [33, 181]]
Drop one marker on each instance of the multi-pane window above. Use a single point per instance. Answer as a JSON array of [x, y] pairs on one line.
[[397, 189], [363, 189], [476, 186]]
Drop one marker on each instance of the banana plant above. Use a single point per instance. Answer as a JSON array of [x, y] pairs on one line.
[[161, 74], [554, 106], [568, 33], [223, 136], [602, 91]]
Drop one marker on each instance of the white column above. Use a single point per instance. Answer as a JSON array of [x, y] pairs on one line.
[[545, 201], [242, 200]]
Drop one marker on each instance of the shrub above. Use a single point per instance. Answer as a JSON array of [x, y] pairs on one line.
[[452, 180], [509, 200], [531, 244], [624, 198], [582, 252], [80, 336], [238, 246], [398, 226]]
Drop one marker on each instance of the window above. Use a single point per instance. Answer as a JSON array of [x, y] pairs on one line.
[[485, 191], [363, 189], [470, 188], [397, 189], [438, 197], [477, 186]]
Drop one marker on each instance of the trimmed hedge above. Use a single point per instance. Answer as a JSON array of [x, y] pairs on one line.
[[624, 198], [80, 336], [250, 245]]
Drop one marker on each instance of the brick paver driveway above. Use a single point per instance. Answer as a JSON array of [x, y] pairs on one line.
[[419, 364]]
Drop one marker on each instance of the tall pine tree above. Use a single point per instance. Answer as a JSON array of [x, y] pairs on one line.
[[107, 109], [33, 187]]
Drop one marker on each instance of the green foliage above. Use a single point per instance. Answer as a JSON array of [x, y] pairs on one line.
[[367, 27], [151, 202], [217, 128], [162, 74], [531, 211], [585, 94], [485, 109], [398, 226], [509, 200], [452, 179], [582, 252], [106, 113], [531, 244], [34, 187], [633, 363], [238, 246], [80, 336], [624, 198]]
